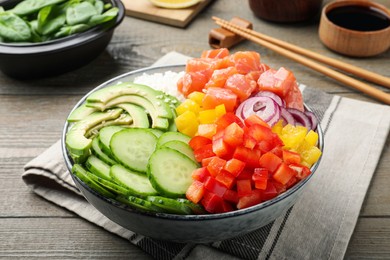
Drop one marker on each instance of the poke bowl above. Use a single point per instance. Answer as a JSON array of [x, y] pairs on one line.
[[157, 214], [48, 45]]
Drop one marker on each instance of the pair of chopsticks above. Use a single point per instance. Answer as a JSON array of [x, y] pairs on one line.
[[300, 55]]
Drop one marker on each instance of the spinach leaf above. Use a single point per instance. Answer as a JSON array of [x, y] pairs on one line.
[[80, 13], [13, 28], [31, 6], [104, 17], [50, 19], [69, 30], [99, 6]]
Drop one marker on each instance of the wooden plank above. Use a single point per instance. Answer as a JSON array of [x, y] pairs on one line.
[[371, 239], [62, 238], [144, 9]]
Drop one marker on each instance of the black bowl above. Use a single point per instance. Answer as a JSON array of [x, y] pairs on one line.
[[185, 228], [35, 60]]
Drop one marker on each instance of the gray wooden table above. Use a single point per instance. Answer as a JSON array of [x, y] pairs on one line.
[[32, 114]]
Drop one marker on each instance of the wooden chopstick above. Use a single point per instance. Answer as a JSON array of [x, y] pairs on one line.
[[361, 86]]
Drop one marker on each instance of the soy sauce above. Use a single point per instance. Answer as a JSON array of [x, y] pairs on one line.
[[359, 18]]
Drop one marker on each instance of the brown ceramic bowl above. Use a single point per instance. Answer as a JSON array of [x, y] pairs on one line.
[[343, 33], [285, 11]]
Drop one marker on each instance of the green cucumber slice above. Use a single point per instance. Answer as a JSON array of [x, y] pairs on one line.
[[82, 174], [132, 147], [170, 172], [169, 205], [181, 147], [98, 167], [97, 151], [136, 182], [171, 136], [196, 208], [105, 135], [139, 203], [109, 185]]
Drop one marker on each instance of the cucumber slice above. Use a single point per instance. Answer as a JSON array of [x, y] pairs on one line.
[[109, 185], [132, 147], [135, 182], [156, 132], [97, 151], [82, 174], [181, 147], [139, 203], [98, 167], [196, 208], [169, 205], [171, 136], [105, 135], [170, 172]]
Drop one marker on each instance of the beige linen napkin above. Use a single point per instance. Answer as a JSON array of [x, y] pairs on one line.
[[318, 226]]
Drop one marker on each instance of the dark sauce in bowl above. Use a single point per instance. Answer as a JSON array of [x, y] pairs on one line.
[[359, 18]]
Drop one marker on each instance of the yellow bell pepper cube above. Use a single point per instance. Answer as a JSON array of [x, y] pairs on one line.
[[207, 116], [197, 97], [278, 127], [220, 110], [292, 136], [311, 138], [187, 123], [311, 155], [188, 105]]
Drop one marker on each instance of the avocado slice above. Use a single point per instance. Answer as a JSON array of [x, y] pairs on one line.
[[155, 97], [158, 121], [140, 118], [80, 113], [124, 120], [76, 142]]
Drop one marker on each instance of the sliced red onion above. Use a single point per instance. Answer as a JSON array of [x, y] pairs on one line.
[[300, 118], [272, 95], [286, 116], [266, 108], [313, 119]]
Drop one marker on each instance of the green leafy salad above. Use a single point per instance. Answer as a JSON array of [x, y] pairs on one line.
[[32, 21]]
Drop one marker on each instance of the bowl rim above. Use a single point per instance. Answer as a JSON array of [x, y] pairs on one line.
[[168, 216], [364, 3], [67, 42]]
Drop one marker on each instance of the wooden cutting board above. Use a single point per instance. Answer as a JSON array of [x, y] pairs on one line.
[[144, 9]]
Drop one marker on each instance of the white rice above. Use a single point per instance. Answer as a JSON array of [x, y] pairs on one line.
[[165, 82]]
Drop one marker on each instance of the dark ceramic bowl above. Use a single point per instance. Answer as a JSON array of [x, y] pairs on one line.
[[186, 228], [35, 60]]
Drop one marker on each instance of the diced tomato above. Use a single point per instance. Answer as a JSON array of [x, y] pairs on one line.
[[207, 130], [283, 173], [291, 182], [301, 172], [234, 166], [245, 174], [265, 146], [244, 187], [262, 133], [249, 156], [270, 192], [204, 152], [200, 174], [291, 157], [214, 186], [253, 198], [260, 177], [206, 161], [246, 61], [231, 196], [280, 188], [215, 165], [198, 141], [218, 96], [278, 151], [233, 135], [255, 120], [225, 178], [219, 77], [248, 141], [215, 53], [225, 207], [195, 191], [211, 202], [241, 86], [270, 161], [226, 120], [222, 149]]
